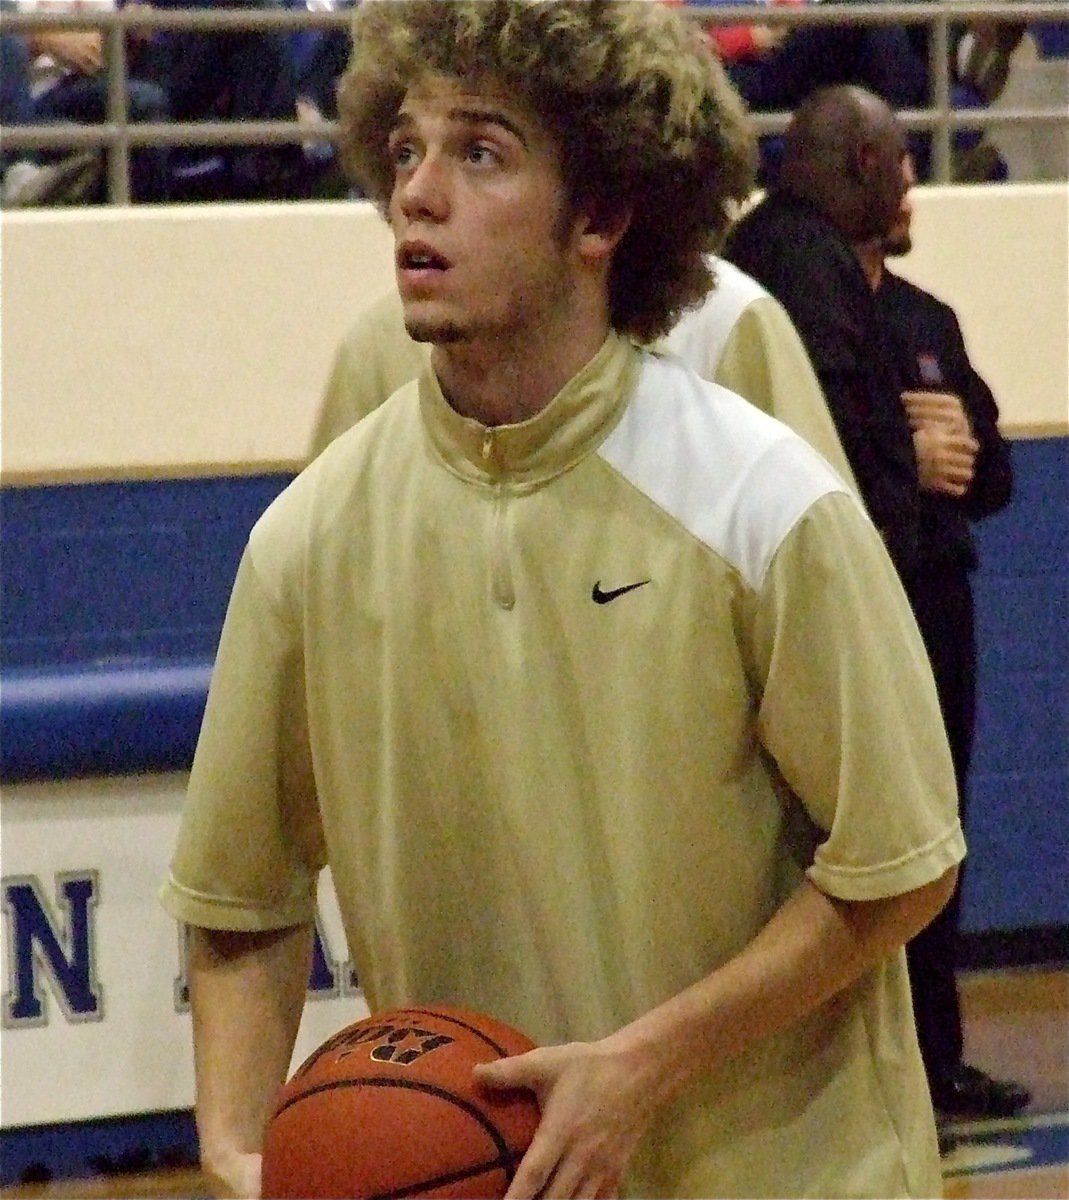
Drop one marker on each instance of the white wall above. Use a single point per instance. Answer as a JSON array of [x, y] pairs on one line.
[[175, 341], [133, 1054], [999, 255], [162, 342]]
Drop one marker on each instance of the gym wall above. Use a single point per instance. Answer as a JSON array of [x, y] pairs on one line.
[[161, 372]]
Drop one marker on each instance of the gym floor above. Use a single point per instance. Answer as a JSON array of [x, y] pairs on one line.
[[1017, 1026]]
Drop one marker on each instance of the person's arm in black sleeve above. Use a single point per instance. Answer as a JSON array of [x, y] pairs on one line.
[[881, 457]]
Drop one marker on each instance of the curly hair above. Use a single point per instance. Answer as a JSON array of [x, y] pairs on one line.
[[633, 95]]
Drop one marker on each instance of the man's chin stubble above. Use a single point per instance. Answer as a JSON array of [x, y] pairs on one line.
[[436, 333]]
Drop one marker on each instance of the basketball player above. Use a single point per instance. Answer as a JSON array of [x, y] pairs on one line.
[[738, 336], [593, 685]]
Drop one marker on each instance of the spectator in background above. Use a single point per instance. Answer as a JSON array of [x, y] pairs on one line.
[[775, 67], [66, 81], [26, 178], [918, 460], [944, 399], [235, 75], [240, 75]]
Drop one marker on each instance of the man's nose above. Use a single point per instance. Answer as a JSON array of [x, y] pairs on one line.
[[423, 192]]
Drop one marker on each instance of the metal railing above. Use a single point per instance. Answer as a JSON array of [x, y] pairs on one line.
[[118, 135]]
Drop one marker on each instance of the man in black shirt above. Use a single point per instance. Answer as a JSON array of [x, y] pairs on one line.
[[920, 429], [943, 394]]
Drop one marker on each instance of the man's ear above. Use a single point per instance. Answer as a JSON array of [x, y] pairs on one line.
[[864, 160], [600, 230]]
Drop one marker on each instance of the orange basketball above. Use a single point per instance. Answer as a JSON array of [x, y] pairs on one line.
[[388, 1107]]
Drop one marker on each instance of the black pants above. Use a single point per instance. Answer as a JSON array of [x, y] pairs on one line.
[[943, 605], [241, 75]]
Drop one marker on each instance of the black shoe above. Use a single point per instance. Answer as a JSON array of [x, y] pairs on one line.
[[969, 1092], [948, 1139]]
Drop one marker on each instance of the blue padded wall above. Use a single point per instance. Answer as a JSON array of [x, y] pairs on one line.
[[114, 594], [112, 571], [1018, 822]]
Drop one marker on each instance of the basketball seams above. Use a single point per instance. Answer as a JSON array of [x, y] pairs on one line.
[[505, 1154], [438, 1015], [430, 1185]]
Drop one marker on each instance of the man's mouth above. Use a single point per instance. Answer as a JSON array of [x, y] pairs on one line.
[[421, 258]]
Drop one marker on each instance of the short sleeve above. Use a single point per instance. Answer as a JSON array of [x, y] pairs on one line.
[[848, 709], [250, 845]]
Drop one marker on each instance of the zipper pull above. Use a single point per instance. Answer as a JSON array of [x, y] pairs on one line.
[[488, 444]]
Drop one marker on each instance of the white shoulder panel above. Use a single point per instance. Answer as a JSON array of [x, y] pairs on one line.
[[736, 479], [700, 335]]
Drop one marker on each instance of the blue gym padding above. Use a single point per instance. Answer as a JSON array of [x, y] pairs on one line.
[[114, 595], [101, 718]]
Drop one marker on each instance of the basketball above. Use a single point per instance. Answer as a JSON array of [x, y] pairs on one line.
[[387, 1107]]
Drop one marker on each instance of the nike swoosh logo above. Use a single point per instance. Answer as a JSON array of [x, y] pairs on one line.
[[600, 597]]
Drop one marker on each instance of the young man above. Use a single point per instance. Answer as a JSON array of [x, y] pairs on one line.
[[593, 685]]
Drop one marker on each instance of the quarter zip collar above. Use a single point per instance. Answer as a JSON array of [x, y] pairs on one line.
[[522, 456]]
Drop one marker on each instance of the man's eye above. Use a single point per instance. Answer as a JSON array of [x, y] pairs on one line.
[[402, 154], [480, 153]]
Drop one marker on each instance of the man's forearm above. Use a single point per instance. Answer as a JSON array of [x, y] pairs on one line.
[[813, 948], [247, 992], [597, 1097]]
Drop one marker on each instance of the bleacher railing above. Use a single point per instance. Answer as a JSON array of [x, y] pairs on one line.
[[117, 135]]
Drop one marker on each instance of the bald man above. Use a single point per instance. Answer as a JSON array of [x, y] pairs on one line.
[[842, 181], [817, 242], [966, 474]]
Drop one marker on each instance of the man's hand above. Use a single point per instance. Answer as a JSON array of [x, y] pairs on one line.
[[946, 461], [936, 408], [82, 50], [942, 441], [596, 1103]]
